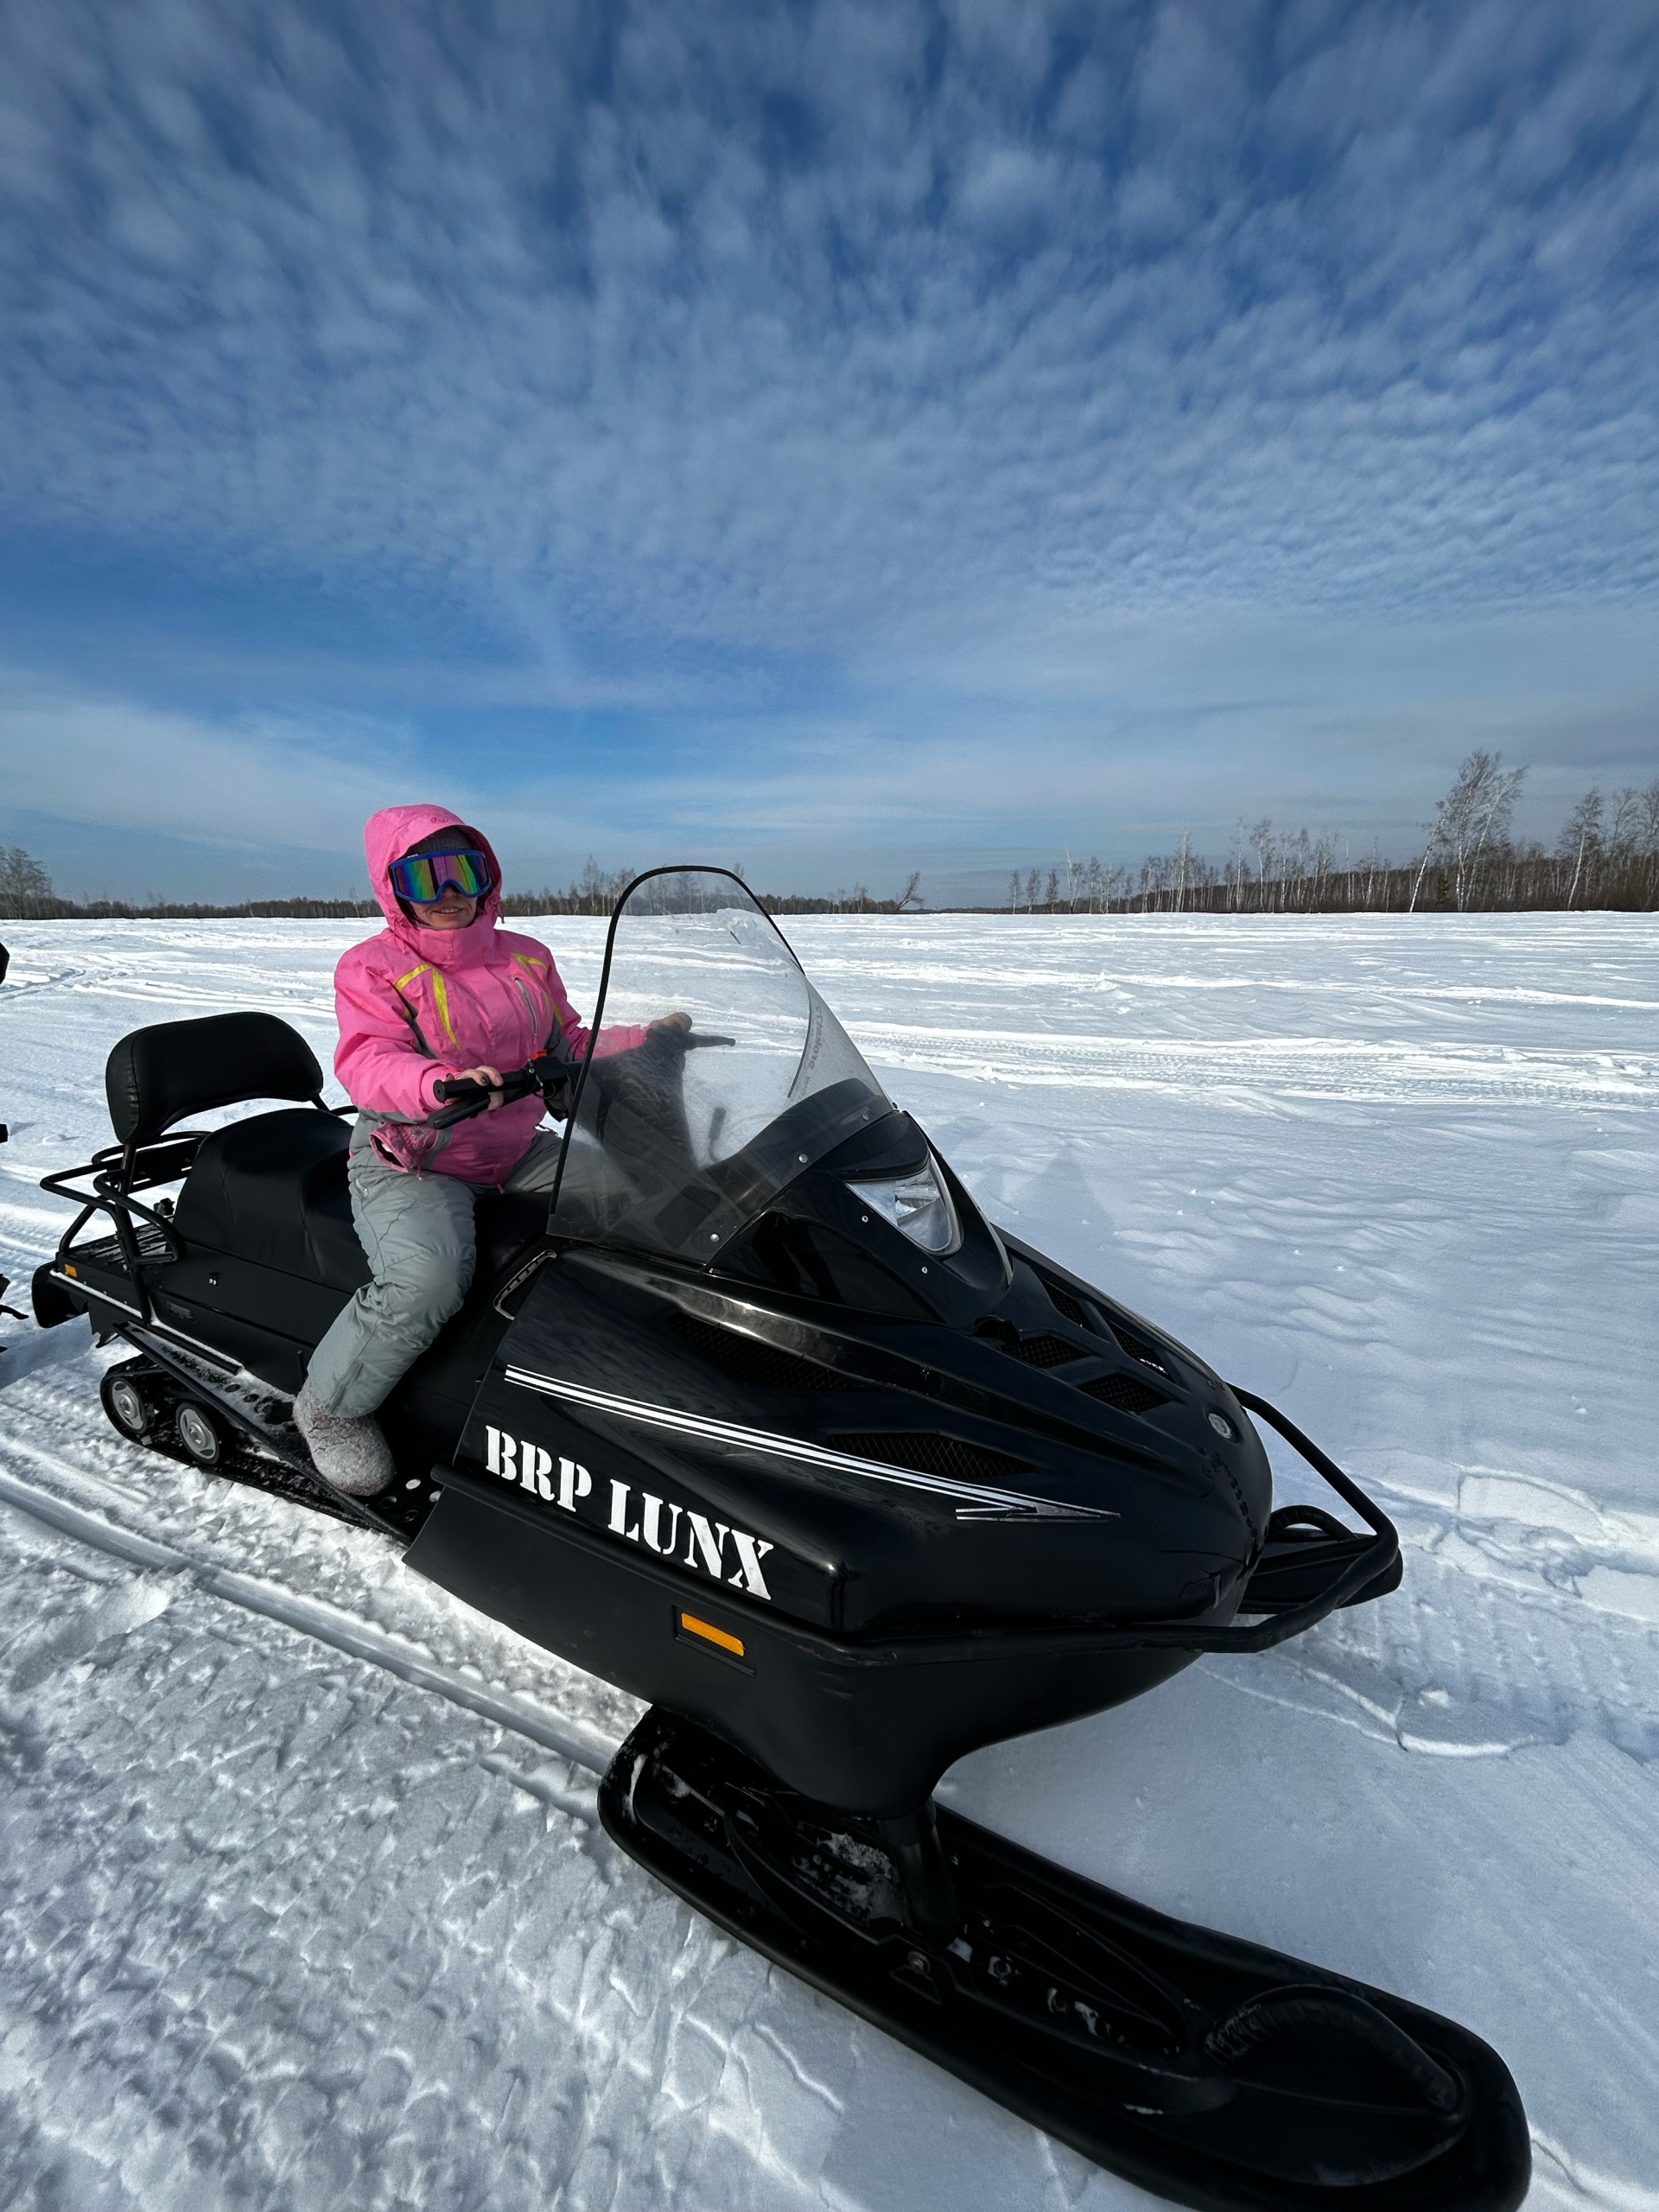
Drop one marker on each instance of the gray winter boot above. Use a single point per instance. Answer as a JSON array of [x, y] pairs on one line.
[[352, 1455]]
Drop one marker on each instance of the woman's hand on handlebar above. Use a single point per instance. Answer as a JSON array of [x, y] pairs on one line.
[[480, 1090], [490, 1077], [669, 1021]]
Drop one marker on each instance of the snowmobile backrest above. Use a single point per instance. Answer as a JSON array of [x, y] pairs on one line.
[[155, 1076]]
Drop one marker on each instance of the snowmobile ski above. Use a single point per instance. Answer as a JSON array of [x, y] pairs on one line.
[[1213, 2071]]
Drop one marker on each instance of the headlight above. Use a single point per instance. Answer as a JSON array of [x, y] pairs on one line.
[[916, 1204]]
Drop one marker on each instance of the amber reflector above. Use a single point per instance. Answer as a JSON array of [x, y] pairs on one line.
[[711, 1634], [69, 1270]]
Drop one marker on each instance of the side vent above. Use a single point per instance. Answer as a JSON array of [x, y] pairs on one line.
[[1041, 1351], [1124, 1394], [926, 1452], [1063, 1302], [1138, 1347], [1046, 1350], [747, 1359]]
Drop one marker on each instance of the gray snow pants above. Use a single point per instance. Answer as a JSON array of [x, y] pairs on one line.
[[418, 1233]]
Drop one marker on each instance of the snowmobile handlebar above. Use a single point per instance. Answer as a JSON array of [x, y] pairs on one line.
[[466, 1097], [469, 1097]]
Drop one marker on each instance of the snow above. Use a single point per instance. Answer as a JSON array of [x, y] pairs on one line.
[[304, 1897]]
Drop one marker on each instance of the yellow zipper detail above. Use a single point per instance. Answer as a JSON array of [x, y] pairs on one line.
[[526, 960], [441, 994]]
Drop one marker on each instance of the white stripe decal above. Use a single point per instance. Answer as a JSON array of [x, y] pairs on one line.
[[978, 1498]]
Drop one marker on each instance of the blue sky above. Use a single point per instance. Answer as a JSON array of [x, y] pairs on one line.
[[834, 438]]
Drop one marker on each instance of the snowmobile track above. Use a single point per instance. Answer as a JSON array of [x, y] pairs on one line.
[[320, 1622]]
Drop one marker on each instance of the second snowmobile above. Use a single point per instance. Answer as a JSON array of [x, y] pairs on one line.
[[765, 1421]]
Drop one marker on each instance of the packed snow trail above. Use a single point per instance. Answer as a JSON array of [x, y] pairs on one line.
[[302, 1896]]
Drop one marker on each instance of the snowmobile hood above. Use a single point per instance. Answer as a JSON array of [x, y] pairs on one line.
[[386, 837]]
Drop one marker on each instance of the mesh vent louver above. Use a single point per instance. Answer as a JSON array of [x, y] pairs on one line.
[[745, 1359], [1045, 1351], [1063, 1302], [1125, 1394], [1138, 1347], [927, 1453]]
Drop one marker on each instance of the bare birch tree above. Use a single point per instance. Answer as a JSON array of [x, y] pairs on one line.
[[1472, 820], [24, 884], [1581, 841]]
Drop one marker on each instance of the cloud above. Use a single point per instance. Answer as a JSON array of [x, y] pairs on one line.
[[741, 357], [555, 300], [1129, 738], [239, 788]]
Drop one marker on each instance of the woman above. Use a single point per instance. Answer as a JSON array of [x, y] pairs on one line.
[[442, 991]]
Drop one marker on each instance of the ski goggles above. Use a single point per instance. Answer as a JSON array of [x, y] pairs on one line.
[[422, 877]]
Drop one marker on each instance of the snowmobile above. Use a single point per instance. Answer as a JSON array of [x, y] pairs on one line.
[[763, 1420]]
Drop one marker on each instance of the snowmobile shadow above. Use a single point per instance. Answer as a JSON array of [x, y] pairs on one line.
[[1252, 1856], [25, 1350], [1061, 1204]]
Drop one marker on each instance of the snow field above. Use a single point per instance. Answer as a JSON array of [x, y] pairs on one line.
[[302, 1896]]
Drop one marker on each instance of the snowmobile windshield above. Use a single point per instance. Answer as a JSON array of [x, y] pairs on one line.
[[677, 1142]]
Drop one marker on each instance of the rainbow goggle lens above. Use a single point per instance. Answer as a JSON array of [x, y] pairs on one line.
[[422, 877]]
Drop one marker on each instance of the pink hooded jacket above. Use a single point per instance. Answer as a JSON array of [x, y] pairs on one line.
[[416, 1005]]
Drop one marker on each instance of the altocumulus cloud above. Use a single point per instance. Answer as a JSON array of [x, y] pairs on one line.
[[716, 363]]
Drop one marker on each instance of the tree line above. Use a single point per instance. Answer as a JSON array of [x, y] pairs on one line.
[[597, 890], [26, 894], [1607, 855]]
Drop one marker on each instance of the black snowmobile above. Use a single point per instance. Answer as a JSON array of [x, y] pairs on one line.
[[765, 1422]]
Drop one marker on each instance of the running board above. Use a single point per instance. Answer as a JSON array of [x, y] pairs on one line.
[[253, 1409]]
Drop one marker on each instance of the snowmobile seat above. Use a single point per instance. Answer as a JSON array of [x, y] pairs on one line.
[[272, 1189], [157, 1075]]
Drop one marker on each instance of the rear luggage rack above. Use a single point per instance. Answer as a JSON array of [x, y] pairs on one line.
[[153, 1245], [143, 1237]]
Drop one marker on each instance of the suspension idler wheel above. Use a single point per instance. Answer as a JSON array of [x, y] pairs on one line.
[[199, 1434], [127, 1406]]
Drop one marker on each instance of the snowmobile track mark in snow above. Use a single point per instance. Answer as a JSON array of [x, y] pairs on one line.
[[322, 1623]]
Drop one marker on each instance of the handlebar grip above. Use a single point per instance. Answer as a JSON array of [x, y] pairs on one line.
[[470, 1098], [447, 1116]]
